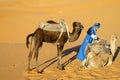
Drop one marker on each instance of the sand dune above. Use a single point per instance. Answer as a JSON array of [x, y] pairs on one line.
[[18, 18], [14, 63], [24, 16]]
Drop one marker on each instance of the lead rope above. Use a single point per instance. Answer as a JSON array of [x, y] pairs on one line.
[[67, 31], [62, 23]]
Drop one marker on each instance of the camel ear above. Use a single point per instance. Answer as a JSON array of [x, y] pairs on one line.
[[80, 23], [114, 36], [74, 24]]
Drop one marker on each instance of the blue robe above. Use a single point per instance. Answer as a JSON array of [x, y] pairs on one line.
[[88, 39]]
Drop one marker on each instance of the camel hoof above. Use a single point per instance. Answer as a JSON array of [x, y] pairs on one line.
[[40, 71], [83, 67], [61, 68], [28, 69]]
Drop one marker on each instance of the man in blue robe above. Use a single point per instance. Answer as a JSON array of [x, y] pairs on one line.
[[90, 36]]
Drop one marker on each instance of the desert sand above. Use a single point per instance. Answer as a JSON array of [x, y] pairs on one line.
[[18, 18]]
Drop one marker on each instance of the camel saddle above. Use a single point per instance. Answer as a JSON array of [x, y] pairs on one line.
[[98, 47], [61, 27], [58, 27]]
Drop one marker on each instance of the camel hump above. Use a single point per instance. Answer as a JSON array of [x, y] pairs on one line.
[[52, 22], [53, 26]]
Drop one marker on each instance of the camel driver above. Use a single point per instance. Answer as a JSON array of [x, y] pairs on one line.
[[90, 37]]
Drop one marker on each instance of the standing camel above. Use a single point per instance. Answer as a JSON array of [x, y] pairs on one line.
[[100, 54], [43, 35]]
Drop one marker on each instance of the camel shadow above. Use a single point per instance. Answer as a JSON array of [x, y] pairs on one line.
[[54, 59], [116, 53], [68, 51]]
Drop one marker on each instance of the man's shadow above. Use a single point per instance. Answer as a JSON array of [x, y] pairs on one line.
[[65, 53]]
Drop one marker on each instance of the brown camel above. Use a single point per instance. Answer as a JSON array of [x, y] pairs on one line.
[[41, 35], [100, 54]]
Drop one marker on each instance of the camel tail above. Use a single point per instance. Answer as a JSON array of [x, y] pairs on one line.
[[27, 39]]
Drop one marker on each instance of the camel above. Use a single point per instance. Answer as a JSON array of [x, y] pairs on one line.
[[43, 35], [100, 54]]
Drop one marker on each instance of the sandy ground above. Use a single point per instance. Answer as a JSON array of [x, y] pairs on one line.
[[14, 63], [18, 18]]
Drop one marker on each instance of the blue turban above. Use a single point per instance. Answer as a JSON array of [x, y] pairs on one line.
[[97, 25]]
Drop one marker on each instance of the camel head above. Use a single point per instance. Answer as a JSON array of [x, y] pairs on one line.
[[77, 28], [114, 38], [77, 25]]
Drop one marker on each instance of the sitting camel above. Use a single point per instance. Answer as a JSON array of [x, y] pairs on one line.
[[52, 32], [100, 54]]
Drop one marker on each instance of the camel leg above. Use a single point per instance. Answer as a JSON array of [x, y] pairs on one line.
[[59, 54], [30, 55], [110, 60], [29, 59], [84, 63], [36, 56]]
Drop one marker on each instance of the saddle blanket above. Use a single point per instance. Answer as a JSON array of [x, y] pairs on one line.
[[53, 27]]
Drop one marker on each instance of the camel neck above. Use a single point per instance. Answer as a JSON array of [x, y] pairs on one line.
[[112, 46], [75, 34]]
